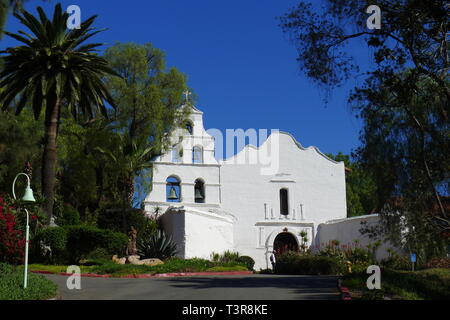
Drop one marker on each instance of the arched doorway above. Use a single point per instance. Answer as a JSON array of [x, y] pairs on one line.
[[284, 242]]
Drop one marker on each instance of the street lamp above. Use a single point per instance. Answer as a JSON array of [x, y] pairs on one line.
[[28, 196]]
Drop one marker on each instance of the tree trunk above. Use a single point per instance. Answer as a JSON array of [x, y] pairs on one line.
[[49, 156], [99, 183]]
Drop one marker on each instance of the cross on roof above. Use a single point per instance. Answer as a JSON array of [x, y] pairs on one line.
[[187, 93]]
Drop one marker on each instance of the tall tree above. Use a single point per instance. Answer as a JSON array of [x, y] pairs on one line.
[[406, 145], [360, 186], [149, 100], [54, 69], [148, 95], [404, 103]]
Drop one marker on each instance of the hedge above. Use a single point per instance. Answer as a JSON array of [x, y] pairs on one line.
[[81, 240], [295, 263], [72, 243], [248, 261], [56, 239]]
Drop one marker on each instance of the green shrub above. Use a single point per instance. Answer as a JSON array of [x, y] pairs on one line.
[[70, 244], [247, 261], [157, 245], [294, 263], [69, 216], [333, 251], [54, 239], [232, 258], [81, 240], [360, 267], [227, 256], [360, 256], [396, 262]]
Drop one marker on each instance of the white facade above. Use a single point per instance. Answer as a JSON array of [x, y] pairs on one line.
[[242, 199]]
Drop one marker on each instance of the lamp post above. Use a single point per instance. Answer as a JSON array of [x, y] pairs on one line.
[[28, 196]]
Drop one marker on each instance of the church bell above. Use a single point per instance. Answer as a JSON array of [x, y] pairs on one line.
[[173, 194], [198, 195]]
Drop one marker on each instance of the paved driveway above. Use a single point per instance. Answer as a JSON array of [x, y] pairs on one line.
[[248, 287]]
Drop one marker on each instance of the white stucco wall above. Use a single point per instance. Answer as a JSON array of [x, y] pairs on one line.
[[347, 231], [198, 233]]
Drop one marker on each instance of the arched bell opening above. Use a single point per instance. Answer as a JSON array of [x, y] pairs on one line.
[[197, 154], [173, 189], [199, 191]]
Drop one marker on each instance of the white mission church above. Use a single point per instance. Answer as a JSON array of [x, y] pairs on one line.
[[213, 206]]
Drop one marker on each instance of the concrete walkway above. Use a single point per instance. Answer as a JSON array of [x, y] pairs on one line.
[[246, 287]]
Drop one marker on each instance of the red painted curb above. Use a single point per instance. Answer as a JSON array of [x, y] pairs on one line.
[[188, 274], [345, 293], [158, 275]]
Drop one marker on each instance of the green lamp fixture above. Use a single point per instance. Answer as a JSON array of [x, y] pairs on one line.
[[28, 195]]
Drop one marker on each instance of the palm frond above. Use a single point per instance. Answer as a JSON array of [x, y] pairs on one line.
[[54, 61]]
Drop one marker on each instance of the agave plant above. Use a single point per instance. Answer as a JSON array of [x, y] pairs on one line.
[[158, 245]]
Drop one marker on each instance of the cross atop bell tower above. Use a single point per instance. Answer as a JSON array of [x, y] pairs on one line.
[[186, 94]]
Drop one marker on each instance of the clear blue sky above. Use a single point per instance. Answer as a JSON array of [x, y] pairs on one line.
[[237, 59]]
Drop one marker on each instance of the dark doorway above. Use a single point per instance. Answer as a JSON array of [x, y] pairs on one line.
[[284, 242]]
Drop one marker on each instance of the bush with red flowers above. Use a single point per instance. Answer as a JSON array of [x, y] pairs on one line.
[[12, 239], [438, 262]]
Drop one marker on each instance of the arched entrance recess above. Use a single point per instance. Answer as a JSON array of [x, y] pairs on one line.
[[284, 242]]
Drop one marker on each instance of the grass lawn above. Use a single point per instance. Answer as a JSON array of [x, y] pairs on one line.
[[171, 265], [11, 285], [429, 284]]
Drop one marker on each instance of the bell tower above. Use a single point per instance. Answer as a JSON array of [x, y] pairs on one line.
[[188, 173], [191, 143]]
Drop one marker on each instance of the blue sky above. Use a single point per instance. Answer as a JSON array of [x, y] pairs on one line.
[[237, 59]]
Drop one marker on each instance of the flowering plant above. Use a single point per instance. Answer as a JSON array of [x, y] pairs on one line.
[[12, 241]]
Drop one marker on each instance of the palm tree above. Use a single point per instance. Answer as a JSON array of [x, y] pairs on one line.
[[132, 157], [53, 69]]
